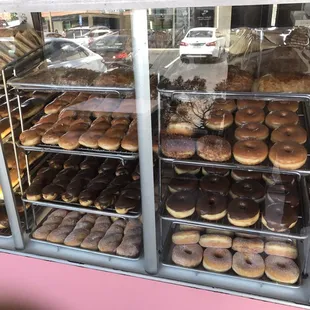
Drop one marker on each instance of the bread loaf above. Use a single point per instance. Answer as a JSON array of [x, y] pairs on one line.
[[42, 232], [56, 106], [59, 234], [92, 240], [29, 108], [76, 237]]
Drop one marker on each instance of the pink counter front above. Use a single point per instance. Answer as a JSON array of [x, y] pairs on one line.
[[28, 283]]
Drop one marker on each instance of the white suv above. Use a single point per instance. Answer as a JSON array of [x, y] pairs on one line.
[[201, 43]]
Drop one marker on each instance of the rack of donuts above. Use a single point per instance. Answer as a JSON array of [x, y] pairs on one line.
[[222, 252]]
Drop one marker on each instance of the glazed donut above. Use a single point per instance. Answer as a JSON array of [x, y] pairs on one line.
[[276, 178], [244, 245], [215, 241], [213, 148], [289, 133], [249, 115], [254, 131], [215, 184], [250, 152], [281, 269], [188, 169], [218, 119], [189, 255], [220, 232], [278, 118], [185, 227], [181, 204], [211, 206], [288, 155], [186, 237], [243, 104], [248, 265], [179, 147], [216, 171], [188, 183], [279, 217], [284, 193], [243, 212], [222, 104], [240, 175], [218, 260], [250, 189], [180, 127], [283, 106], [281, 248]]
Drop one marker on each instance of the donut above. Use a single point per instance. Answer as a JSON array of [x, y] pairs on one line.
[[179, 147], [211, 206], [243, 212], [186, 169], [217, 171], [249, 115], [284, 193], [250, 189], [218, 260], [289, 133], [256, 131], [279, 217], [218, 119], [243, 104], [278, 118], [276, 178], [189, 255], [283, 106], [215, 241], [245, 245], [281, 269], [179, 127], [213, 148], [185, 227], [215, 184], [288, 155], [248, 265], [250, 152], [226, 105], [239, 175], [281, 248], [220, 232], [188, 183], [186, 237], [181, 204]]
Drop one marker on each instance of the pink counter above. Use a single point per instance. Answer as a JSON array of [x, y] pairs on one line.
[[40, 285]]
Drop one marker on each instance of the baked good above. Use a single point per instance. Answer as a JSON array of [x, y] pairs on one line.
[[110, 242], [186, 237], [215, 241], [245, 245], [211, 206], [111, 140], [277, 178], [248, 265], [250, 131], [56, 106], [189, 255], [186, 169], [218, 260], [57, 161], [129, 198], [177, 126], [288, 155], [215, 184], [108, 166], [250, 152], [218, 119], [213, 148], [250, 189], [289, 133], [249, 115], [281, 248], [50, 118], [5, 127], [179, 147], [215, 171], [240, 175], [243, 212], [59, 234], [279, 118], [184, 227], [53, 135], [279, 217], [245, 103], [283, 106], [224, 104], [284, 193], [76, 237], [92, 240], [181, 204], [281, 269], [188, 183], [29, 108]]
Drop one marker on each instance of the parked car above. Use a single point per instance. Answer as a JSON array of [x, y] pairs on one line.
[[113, 48], [203, 43]]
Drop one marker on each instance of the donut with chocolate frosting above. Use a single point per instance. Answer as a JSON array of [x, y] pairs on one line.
[[186, 183], [215, 184], [218, 171], [277, 178], [250, 189], [211, 206], [239, 175], [181, 204], [283, 193]]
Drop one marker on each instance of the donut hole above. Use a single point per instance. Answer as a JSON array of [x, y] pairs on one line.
[[247, 187], [281, 265], [283, 114], [288, 150], [211, 202], [218, 255], [188, 252], [248, 261], [243, 205], [213, 180]]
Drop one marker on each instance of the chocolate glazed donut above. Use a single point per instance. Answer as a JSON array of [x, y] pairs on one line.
[[284, 193], [215, 184], [181, 204], [187, 182], [248, 189], [211, 206]]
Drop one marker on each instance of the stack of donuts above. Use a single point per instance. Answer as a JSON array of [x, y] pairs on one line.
[[280, 139], [243, 197], [89, 182], [247, 255], [73, 120], [92, 232]]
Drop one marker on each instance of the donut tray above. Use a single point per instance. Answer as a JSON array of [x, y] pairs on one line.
[[228, 134], [78, 248], [166, 258]]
